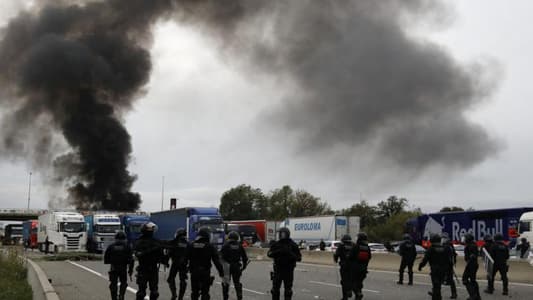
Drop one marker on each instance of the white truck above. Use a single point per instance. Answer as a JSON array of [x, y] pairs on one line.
[[327, 228], [101, 230], [61, 231]]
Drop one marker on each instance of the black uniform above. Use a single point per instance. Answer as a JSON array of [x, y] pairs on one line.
[[343, 255], [177, 251], [438, 257], [200, 254], [285, 253], [449, 277], [523, 248], [361, 254], [487, 246], [407, 251], [234, 259], [120, 256], [149, 253], [469, 275], [322, 245], [500, 254]]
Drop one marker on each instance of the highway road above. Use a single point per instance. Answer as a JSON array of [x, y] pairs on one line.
[[88, 280]]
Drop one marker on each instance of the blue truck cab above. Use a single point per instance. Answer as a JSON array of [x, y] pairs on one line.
[[101, 230], [131, 225], [190, 219]]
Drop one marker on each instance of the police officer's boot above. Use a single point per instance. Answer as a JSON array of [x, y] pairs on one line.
[[238, 290], [400, 281], [122, 291], [183, 287], [225, 291], [410, 278], [113, 289]]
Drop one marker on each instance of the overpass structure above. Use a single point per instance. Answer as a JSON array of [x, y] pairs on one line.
[[18, 214]]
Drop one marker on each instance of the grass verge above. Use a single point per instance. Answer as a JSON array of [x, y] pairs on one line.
[[13, 277]]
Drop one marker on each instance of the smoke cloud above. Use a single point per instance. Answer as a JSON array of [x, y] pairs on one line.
[[355, 78]]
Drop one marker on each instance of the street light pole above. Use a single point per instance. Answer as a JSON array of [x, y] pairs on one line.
[[29, 192]]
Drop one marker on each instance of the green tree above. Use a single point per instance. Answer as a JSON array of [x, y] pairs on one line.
[[239, 202], [392, 229], [304, 204], [392, 206], [280, 203], [368, 214]]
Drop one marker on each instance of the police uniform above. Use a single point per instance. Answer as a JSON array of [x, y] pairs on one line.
[[234, 261], [361, 254], [500, 254], [469, 274], [200, 254], [343, 256], [177, 251], [407, 251], [285, 253], [120, 256], [438, 257], [449, 277], [149, 253]]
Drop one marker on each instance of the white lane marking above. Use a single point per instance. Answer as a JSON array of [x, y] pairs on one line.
[[338, 286], [245, 289], [101, 276]]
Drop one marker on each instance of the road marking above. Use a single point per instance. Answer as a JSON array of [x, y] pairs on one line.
[[338, 286], [245, 289], [101, 276]]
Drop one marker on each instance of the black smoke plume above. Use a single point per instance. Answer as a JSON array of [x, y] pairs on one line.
[[356, 79]]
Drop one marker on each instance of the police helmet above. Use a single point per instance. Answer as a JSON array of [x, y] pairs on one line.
[[362, 236], [148, 228], [120, 235], [180, 233], [406, 237], [203, 232], [487, 238], [435, 238], [346, 238], [469, 238], [498, 237], [234, 236], [284, 233]]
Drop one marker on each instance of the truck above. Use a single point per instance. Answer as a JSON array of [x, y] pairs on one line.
[[131, 224], [190, 219], [327, 228], [12, 234], [29, 233], [101, 230], [61, 231], [251, 231], [477, 222]]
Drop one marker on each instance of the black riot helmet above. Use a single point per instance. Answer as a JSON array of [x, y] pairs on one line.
[[498, 237], [180, 233], [487, 238], [362, 236], [148, 228], [435, 238], [469, 238], [120, 236], [406, 237], [233, 235], [203, 232], [346, 238], [284, 233]]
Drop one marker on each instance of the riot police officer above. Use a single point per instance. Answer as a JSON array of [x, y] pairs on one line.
[[343, 256], [177, 251], [149, 253], [450, 272], [120, 256], [469, 274], [234, 261], [407, 251], [200, 254], [438, 257], [285, 253], [361, 254], [500, 254]]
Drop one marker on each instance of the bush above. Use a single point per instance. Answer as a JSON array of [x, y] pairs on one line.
[[13, 277]]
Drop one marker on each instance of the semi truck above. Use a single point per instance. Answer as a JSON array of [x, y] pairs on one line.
[[101, 229], [131, 224], [327, 228], [12, 234], [190, 219], [478, 223], [252, 231], [29, 233], [61, 231]]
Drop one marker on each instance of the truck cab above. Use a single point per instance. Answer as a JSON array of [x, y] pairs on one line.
[[131, 225], [12, 234], [213, 221], [525, 226], [61, 231], [101, 230], [29, 233]]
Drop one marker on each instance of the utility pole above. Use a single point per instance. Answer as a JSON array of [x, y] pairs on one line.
[[162, 192], [29, 192]]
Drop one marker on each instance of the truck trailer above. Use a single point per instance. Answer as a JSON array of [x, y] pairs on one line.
[[101, 230], [478, 222], [29, 233], [191, 219], [327, 228], [61, 231]]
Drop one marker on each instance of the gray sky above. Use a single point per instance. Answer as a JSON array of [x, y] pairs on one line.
[[196, 126]]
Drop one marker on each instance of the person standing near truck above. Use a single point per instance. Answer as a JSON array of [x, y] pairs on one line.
[[500, 254], [346, 262], [234, 261], [450, 272], [438, 258], [361, 254], [177, 251], [523, 247], [149, 253], [285, 253], [469, 274], [120, 256], [407, 251]]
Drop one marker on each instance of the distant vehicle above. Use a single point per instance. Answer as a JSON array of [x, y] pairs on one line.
[[12, 234], [247, 232], [62, 231], [331, 245], [131, 224], [479, 223], [29, 233], [101, 229], [377, 247], [419, 249], [327, 228], [460, 249]]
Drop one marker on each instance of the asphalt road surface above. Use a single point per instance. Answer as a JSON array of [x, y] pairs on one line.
[[88, 280]]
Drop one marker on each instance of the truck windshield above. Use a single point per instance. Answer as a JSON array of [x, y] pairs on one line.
[[136, 228], [107, 228], [71, 227], [214, 225], [524, 226]]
